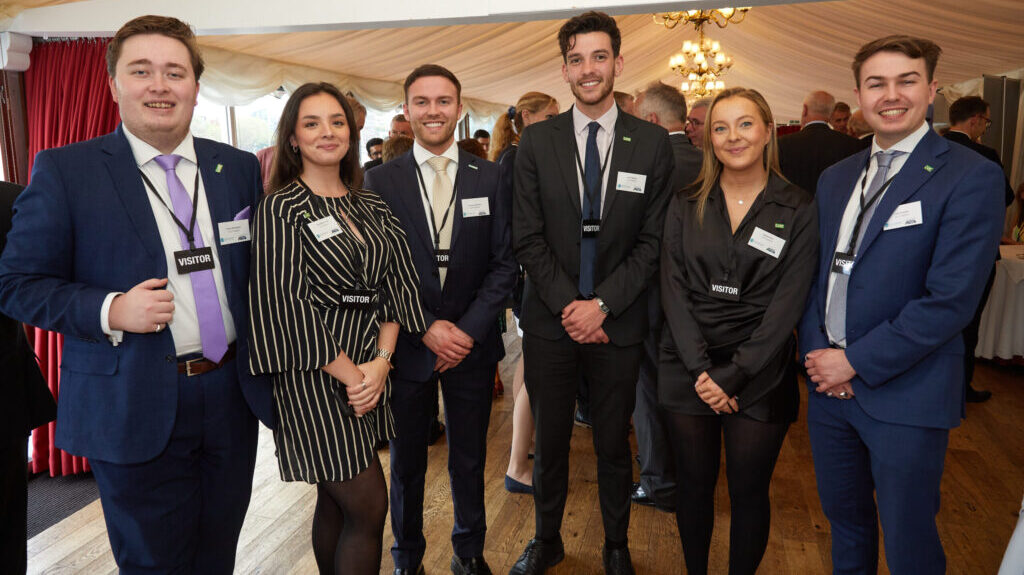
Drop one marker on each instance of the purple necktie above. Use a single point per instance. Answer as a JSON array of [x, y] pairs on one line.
[[204, 290]]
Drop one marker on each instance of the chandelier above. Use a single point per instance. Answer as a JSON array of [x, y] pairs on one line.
[[722, 17], [701, 64]]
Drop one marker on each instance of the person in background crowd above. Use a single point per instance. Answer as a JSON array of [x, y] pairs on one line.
[[738, 256], [664, 106], [395, 147], [839, 119], [154, 310], [26, 404], [695, 121], [400, 127], [909, 231], [860, 129], [580, 312], [358, 110], [374, 149], [626, 102], [1013, 229], [331, 284], [804, 155], [456, 211], [472, 146], [484, 137]]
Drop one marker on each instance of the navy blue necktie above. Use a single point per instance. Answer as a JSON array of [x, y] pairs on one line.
[[591, 209]]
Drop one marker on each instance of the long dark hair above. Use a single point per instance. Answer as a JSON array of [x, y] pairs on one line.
[[288, 163]]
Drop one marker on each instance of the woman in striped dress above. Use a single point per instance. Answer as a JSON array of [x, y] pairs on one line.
[[332, 280]]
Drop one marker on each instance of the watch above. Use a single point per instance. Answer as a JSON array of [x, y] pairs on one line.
[[604, 309], [385, 354]]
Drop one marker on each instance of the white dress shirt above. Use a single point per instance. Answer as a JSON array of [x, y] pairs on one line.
[[185, 324], [580, 121], [421, 155], [905, 145]]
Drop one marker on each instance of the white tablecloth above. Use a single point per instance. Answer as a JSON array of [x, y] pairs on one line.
[[1002, 323]]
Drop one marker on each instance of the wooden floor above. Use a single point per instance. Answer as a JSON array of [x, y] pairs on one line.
[[981, 493]]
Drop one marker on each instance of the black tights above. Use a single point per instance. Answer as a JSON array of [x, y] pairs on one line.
[[348, 523], [751, 449]]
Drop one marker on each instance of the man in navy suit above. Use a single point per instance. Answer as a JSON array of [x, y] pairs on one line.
[[456, 212], [135, 246], [909, 231]]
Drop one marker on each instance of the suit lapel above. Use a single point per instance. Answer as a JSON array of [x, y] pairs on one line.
[[622, 154], [218, 199], [565, 146], [924, 162], [132, 193], [467, 176], [411, 195]]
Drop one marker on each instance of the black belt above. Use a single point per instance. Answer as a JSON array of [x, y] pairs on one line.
[[201, 365]]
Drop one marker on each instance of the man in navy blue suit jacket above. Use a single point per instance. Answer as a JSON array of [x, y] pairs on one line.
[[101, 251], [909, 262], [461, 247]]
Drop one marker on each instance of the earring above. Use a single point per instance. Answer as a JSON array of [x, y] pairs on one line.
[[295, 149]]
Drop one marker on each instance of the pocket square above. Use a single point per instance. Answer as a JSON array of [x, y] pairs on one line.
[[243, 215]]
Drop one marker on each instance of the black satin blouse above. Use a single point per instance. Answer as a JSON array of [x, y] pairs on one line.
[[743, 338]]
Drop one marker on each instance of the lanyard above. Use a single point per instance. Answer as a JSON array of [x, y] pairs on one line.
[[447, 210], [852, 243], [583, 177], [190, 230]]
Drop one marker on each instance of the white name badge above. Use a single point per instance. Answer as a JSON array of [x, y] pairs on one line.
[[475, 207], [904, 216], [233, 232], [763, 241], [324, 228], [627, 182]]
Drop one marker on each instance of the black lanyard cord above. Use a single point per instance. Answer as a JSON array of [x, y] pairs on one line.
[[447, 210], [583, 176], [190, 230], [852, 243]]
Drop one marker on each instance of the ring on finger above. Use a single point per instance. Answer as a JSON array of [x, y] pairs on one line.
[[158, 327], [843, 394], [828, 394]]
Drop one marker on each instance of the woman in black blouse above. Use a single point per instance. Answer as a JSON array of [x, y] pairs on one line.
[[738, 254]]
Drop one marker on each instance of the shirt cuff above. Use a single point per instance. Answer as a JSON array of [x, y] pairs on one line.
[[114, 335]]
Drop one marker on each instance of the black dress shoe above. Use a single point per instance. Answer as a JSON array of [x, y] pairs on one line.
[[582, 420], [618, 562], [436, 431], [470, 566], [977, 395], [418, 571], [538, 556], [641, 496]]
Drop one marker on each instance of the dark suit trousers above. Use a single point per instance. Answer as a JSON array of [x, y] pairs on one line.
[[553, 370], [857, 457], [657, 469], [182, 511], [467, 409], [13, 504]]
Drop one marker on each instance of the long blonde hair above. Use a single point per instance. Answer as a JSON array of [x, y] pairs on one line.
[[510, 125], [711, 168]]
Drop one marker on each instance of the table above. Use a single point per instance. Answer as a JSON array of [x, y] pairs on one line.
[[1002, 323]]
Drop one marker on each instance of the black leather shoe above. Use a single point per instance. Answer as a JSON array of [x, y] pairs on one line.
[[640, 496], [538, 556], [977, 395], [418, 571], [582, 420], [618, 562], [470, 566]]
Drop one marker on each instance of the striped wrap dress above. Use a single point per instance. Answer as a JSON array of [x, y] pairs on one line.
[[299, 322]]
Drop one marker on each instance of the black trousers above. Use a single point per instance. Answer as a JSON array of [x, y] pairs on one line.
[[657, 466], [13, 504], [553, 370]]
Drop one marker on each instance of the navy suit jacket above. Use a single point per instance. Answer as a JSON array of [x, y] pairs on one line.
[[912, 290], [481, 270], [84, 228]]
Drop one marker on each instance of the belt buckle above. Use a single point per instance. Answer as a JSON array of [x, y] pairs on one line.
[[188, 366]]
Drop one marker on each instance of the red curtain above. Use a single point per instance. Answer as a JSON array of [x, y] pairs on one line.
[[67, 100], [786, 129]]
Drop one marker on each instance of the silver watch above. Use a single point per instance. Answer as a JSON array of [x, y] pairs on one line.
[[604, 309], [386, 354]]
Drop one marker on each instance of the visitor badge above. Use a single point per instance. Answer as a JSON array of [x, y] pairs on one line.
[[627, 182], [324, 228], [233, 232], [475, 207], [763, 241], [196, 260], [904, 216]]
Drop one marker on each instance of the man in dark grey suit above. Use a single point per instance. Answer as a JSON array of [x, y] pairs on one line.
[[803, 156], [591, 187], [665, 106], [25, 403]]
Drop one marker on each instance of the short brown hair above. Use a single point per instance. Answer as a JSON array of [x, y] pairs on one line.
[[163, 25], [586, 23], [966, 108], [427, 70], [912, 47]]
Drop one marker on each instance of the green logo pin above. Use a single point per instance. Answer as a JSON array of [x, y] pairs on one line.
[[306, 215], [219, 168], [626, 139], [474, 166], [779, 226], [928, 168]]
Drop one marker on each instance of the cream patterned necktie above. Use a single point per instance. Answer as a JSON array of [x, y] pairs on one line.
[[442, 196]]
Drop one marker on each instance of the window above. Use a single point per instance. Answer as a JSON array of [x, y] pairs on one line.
[[210, 121], [256, 122]]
